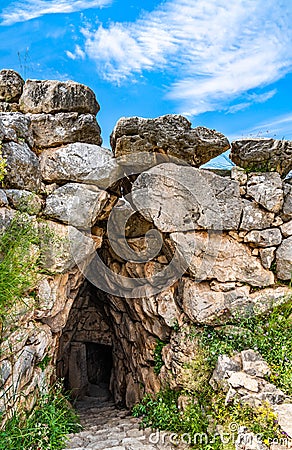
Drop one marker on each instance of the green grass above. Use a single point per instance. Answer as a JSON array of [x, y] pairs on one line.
[[18, 262], [44, 428], [270, 335]]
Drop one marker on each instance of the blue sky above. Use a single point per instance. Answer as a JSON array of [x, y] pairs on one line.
[[225, 65]]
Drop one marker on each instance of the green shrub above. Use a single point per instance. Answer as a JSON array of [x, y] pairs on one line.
[[44, 428], [270, 335], [158, 356], [18, 261]]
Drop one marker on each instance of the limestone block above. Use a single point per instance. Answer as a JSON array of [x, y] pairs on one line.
[[11, 85], [284, 259], [52, 96], [255, 217], [15, 127], [267, 256], [24, 201], [284, 413], [286, 229], [266, 189], [264, 238], [253, 364], [171, 135]]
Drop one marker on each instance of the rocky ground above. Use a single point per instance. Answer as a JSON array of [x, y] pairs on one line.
[[105, 427]]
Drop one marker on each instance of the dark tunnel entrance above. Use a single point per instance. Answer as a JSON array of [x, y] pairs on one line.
[[99, 369]]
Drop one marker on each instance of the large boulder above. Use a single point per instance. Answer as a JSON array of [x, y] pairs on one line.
[[171, 135], [76, 204], [15, 127], [52, 96], [218, 256], [22, 166], [79, 162], [11, 85], [263, 154], [183, 198], [54, 130]]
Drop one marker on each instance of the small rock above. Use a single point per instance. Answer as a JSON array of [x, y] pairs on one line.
[[255, 217], [284, 259], [239, 175], [284, 413], [286, 229], [3, 198], [16, 127], [264, 238], [253, 364], [242, 379], [267, 256]]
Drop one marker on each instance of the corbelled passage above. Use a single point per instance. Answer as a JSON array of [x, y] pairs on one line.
[[139, 244]]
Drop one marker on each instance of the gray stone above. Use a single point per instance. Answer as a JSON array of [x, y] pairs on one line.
[[263, 154], [213, 255], [171, 135], [284, 413], [253, 364], [267, 256], [84, 163], [63, 247], [52, 96], [6, 217], [64, 128], [287, 207], [224, 367], [76, 204], [24, 201], [9, 107], [243, 380], [239, 175], [255, 217], [11, 85], [265, 300], [3, 198], [180, 198], [5, 371], [248, 441], [22, 166], [286, 229], [266, 189], [284, 259], [16, 127], [264, 238]]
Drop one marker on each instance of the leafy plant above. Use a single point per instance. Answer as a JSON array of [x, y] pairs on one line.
[[3, 170], [45, 427], [158, 356]]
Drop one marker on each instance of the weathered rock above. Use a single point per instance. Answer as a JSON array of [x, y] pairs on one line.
[[76, 204], [284, 259], [287, 207], [224, 368], [264, 238], [243, 380], [52, 96], [64, 128], [171, 135], [84, 163], [6, 216], [5, 371], [266, 299], [239, 175], [253, 364], [263, 154], [266, 189], [3, 198], [286, 229], [64, 247], [15, 127], [267, 256], [221, 257], [202, 199], [255, 217], [24, 201], [9, 107], [284, 413], [11, 85], [22, 166]]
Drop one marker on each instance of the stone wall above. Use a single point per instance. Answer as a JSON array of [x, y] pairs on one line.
[[161, 242]]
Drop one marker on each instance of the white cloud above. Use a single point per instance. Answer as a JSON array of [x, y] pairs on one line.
[[23, 10], [78, 53], [215, 51]]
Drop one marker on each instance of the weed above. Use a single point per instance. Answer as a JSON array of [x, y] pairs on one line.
[[158, 356], [45, 427]]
